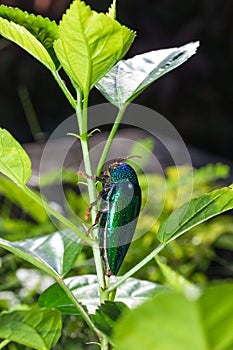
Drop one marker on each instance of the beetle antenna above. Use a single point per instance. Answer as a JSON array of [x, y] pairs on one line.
[[128, 157]]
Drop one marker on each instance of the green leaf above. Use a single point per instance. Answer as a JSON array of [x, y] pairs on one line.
[[37, 328], [171, 321], [43, 29], [55, 253], [14, 193], [107, 315], [177, 281], [89, 44], [22, 37], [112, 10], [129, 78], [195, 212], [14, 161], [85, 289]]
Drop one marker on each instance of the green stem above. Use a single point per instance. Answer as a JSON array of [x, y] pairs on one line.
[[110, 138], [4, 343], [137, 267], [79, 307], [58, 216], [63, 87], [82, 115], [104, 343]]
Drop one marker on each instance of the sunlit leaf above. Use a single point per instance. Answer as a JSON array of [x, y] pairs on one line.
[[22, 37], [171, 321], [128, 78], [14, 161], [37, 328], [54, 253], [90, 44], [112, 10], [43, 29], [195, 212]]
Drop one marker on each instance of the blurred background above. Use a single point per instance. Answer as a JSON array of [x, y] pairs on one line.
[[196, 98]]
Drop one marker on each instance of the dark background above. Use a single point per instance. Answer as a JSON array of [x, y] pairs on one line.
[[196, 97]]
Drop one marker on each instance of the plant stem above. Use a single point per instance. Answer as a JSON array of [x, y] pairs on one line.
[[79, 307], [137, 267], [4, 343], [82, 115], [110, 138], [58, 216], [63, 87]]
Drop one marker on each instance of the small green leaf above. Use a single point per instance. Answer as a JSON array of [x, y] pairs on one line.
[[14, 161], [107, 316], [22, 37], [171, 321], [54, 253], [14, 193], [195, 212], [37, 328], [85, 289], [44, 30], [89, 44], [129, 78]]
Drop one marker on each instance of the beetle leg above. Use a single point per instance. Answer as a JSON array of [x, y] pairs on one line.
[[101, 178], [102, 209], [91, 205]]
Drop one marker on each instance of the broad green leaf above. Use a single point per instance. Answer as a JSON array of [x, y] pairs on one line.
[[195, 212], [14, 193], [177, 281], [37, 328], [22, 37], [128, 78], [85, 289], [107, 315], [14, 161], [171, 321], [89, 44], [55, 253], [44, 30]]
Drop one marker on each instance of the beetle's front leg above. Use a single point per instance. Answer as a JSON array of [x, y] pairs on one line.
[[105, 179]]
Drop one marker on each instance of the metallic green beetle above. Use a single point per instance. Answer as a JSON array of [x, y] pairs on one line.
[[118, 213]]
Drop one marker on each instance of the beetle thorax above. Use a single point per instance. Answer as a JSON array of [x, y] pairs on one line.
[[121, 172]]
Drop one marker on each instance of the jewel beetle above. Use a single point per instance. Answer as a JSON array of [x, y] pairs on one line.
[[120, 203]]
